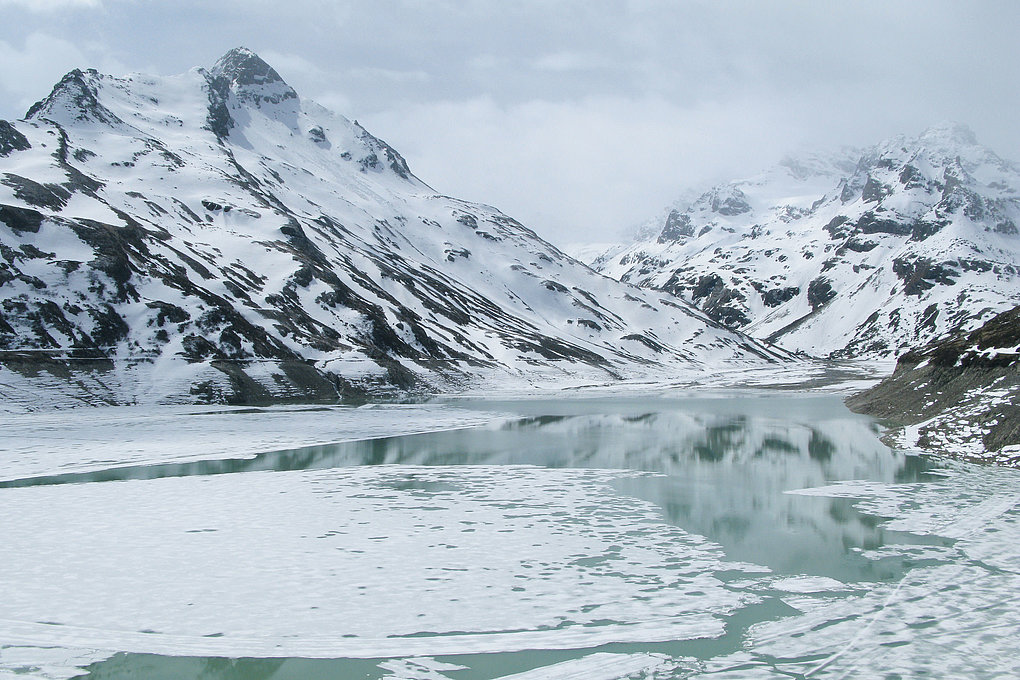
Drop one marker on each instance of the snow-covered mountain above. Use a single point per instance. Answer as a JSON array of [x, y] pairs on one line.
[[213, 234], [858, 253]]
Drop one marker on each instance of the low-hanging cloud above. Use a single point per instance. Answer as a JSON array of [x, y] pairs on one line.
[[591, 168]]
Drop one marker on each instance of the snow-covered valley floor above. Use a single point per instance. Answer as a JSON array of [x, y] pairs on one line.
[[664, 533]]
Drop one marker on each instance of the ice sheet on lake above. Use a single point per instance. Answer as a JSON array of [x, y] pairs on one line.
[[808, 584], [966, 501], [381, 561], [955, 618], [951, 621], [599, 666], [413, 564], [418, 668], [45, 663], [605, 666], [82, 440]]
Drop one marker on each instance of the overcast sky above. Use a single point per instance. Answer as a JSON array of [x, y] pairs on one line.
[[580, 118]]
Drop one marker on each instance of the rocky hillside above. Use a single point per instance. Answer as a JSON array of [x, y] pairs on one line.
[[215, 236], [959, 395], [856, 254]]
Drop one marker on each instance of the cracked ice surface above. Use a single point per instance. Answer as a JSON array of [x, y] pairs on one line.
[[345, 562], [416, 568], [956, 618]]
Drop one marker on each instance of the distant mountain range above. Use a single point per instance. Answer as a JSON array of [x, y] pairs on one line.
[[214, 236], [861, 253]]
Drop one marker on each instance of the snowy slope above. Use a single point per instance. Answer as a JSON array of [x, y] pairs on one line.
[[215, 235], [860, 253]]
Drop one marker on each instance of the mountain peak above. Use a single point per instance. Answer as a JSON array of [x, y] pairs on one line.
[[888, 250], [238, 224], [250, 77], [74, 99], [251, 80], [241, 66]]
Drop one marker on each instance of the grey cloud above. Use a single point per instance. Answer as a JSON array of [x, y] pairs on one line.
[[578, 117], [51, 5]]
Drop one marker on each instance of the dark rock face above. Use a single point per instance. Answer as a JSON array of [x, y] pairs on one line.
[[707, 285], [395, 161], [243, 67], [243, 75], [11, 140], [20, 219], [677, 225], [719, 301], [923, 229], [247, 75], [52, 196], [1001, 332], [922, 274], [219, 121], [732, 205], [838, 228], [871, 223], [964, 387], [849, 192], [912, 178], [858, 245], [1006, 227], [777, 296], [317, 135], [819, 292], [874, 191]]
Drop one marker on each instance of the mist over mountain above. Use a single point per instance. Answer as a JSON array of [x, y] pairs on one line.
[[860, 253]]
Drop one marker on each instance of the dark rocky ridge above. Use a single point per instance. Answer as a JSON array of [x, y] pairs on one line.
[[964, 384], [76, 94], [11, 139]]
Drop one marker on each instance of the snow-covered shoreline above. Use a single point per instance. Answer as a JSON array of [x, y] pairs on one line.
[[956, 397]]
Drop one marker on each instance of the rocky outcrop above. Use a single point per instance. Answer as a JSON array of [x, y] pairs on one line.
[[11, 139], [677, 225], [959, 395]]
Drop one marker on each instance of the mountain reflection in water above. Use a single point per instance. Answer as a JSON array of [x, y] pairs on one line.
[[723, 464]]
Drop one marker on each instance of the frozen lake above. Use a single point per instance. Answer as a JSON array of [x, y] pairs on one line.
[[748, 534]]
